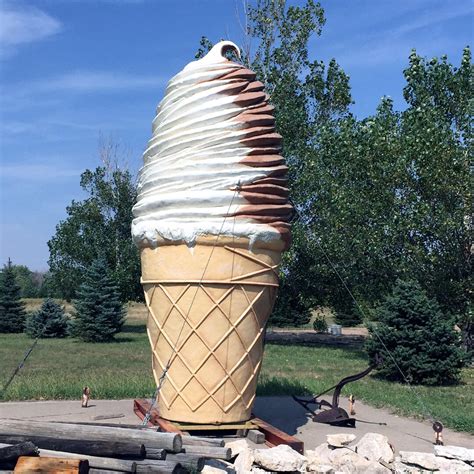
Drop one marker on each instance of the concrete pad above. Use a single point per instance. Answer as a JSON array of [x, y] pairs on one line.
[[403, 433], [116, 411], [283, 412]]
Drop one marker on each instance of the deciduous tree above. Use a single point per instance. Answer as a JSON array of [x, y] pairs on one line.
[[98, 226]]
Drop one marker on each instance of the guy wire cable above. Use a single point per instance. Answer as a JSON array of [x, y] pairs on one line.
[[162, 378], [405, 378]]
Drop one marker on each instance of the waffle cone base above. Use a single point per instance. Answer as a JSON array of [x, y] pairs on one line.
[[208, 308]]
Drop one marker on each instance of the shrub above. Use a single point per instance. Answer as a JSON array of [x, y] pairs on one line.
[[320, 324], [420, 338], [290, 309], [49, 321], [12, 309], [99, 311]]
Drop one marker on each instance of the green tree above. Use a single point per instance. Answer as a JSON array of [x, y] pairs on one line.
[[99, 310], [418, 336], [12, 309], [388, 197], [49, 321], [47, 287], [27, 280], [306, 94], [98, 226]]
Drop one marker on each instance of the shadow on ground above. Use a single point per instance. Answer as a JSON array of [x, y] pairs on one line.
[[283, 413]]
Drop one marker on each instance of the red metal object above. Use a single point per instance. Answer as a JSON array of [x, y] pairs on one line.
[[273, 436]]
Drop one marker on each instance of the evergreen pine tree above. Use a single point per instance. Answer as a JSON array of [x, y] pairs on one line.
[[99, 311], [49, 321], [12, 309], [421, 339]]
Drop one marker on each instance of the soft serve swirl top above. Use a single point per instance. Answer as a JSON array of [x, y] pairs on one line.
[[213, 165]]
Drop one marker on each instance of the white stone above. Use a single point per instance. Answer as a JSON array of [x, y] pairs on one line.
[[455, 452], [348, 461], [320, 455], [218, 466], [375, 447], [257, 470], [340, 440], [237, 446], [401, 468], [243, 462], [280, 459], [316, 468], [434, 463]]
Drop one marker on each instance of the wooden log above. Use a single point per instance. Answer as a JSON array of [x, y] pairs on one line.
[[193, 462], [29, 465], [95, 462], [127, 426], [120, 449], [201, 441], [256, 436], [209, 452], [158, 454], [160, 467], [186, 439], [14, 451], [169, 441], [102, 471]]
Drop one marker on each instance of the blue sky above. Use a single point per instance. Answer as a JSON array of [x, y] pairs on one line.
[[72, 71]]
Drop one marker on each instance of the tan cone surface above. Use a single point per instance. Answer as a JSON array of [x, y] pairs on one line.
[[211, 326]]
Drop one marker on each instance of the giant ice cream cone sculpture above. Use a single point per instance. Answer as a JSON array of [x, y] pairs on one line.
[[211, 222]]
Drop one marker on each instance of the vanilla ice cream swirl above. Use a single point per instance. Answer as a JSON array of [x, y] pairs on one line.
[[213, 163]]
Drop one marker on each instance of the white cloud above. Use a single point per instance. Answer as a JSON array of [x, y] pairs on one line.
[[37, 172], [387, 35], [51, 91], [20, 25], [86, 81]]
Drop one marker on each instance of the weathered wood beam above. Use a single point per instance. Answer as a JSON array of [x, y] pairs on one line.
[[209, 452], [28, 465], [192, 462], [95, 462], [169, 441], [120, 449], [160, 467]]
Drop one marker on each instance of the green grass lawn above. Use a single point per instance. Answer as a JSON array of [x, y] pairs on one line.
[[59, 368]]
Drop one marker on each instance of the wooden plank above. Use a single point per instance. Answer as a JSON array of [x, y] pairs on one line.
[[192, 462], [168, 441], [96, 462], [160, 467], [112, 449], [29, 465], [158, 454], [209, 452], [256, 436], [201, 441], [274, 436]]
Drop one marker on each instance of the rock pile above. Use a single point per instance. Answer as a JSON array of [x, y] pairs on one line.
[[372, 454]]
